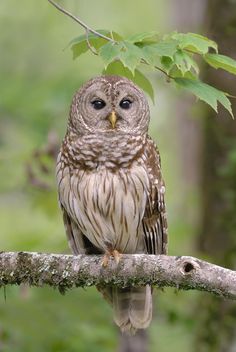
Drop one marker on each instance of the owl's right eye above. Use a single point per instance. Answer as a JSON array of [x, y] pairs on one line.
[[98, 104]]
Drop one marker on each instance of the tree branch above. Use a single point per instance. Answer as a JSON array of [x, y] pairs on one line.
[[82, 24], [67, 271], [91, 30]]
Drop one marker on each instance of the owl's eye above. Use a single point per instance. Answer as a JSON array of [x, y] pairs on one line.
[[98, 104], [125, 104]]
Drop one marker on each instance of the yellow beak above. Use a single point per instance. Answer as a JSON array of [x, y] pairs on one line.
[[112, 118]]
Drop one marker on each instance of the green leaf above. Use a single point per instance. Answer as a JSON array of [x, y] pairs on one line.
[[221, 61], [83, 37], [130, 55], [163, 48], [117, 68], [206, 93], [144, 83], [110, 52], [166, 48], [79, 49], [166, 63], [176, 73], [144, 37], [194, 42], [80, 46], [155, 54], [184, 62]]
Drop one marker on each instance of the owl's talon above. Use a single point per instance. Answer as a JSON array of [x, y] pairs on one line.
[[117, 255], [113, 253], [105, 260]]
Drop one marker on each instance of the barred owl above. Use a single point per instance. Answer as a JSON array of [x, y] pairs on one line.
[[110, 186]]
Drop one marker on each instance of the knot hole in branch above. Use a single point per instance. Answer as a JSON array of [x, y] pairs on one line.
[[188, 267]]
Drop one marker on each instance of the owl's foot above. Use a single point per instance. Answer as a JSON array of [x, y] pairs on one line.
[[111, 253], [117, 255], [105, 259]]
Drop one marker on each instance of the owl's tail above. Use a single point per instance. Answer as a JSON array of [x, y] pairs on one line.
[[132, 308]]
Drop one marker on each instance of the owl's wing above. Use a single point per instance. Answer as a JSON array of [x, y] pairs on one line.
[[154, 220], [74, 235], [78, 242]]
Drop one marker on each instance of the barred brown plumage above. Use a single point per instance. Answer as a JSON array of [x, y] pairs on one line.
[[110, 186]]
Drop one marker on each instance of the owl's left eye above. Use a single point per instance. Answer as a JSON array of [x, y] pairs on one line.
[[98, 104], [125, 104]]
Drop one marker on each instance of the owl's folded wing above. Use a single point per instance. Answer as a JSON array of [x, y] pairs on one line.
[[154, 221], [73, 233], [78, 242]]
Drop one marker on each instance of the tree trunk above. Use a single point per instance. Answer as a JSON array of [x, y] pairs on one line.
[[136, 343], [188, 128], [217, 318]]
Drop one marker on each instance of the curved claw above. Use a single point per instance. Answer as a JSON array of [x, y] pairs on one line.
[[105, 259], [117, 255], [112, 253]]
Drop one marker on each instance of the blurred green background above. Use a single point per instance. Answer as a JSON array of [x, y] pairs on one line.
[[37, 81]]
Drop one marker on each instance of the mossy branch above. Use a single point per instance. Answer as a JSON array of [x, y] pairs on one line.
[[68, 271]]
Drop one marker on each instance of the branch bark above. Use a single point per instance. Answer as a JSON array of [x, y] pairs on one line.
[[68, 271]]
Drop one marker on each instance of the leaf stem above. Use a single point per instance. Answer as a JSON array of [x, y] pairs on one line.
[[88, 43], [90, 30], [158, 68], [163, 71], [82, 24]]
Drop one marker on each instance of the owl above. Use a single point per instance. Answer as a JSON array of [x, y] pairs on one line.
[[110, 186]]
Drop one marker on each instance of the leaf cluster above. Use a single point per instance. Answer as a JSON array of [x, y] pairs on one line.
[[176, 55]]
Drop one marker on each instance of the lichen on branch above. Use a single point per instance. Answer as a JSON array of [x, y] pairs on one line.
[[68, 271]]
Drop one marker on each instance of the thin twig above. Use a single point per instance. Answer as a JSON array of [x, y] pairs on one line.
[[192, 52], [163, 71], [88, 43], [157, 68], [111, 33], [90, 30], [78, 20]]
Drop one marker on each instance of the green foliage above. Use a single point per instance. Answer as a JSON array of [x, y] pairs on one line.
[[117, 68], [81, 44], [221, 61], [173, 54], [204, 92], [36, 91], [193, 42]]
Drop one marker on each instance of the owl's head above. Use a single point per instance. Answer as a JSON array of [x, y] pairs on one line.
[[109, 104]]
